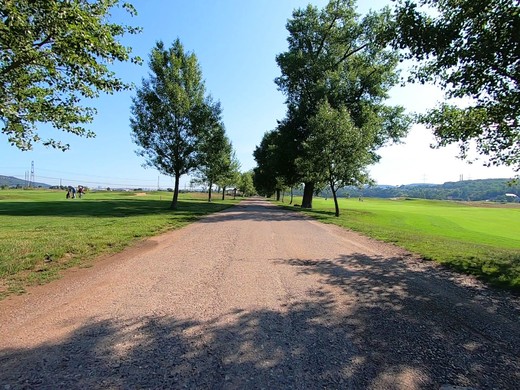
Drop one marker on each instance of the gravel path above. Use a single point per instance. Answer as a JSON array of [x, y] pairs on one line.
[[259, 297]]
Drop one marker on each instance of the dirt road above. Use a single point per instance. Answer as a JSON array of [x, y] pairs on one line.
[[258, 297]]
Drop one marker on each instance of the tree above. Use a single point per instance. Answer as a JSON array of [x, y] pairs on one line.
[[471, 48], [170, 113], [337, 152], [231, 175], [267, 158], [275, 157], [215, 150], [245, 185], [337, 57], [55, 55]]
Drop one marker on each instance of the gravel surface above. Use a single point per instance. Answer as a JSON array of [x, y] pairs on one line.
[[257, 297]]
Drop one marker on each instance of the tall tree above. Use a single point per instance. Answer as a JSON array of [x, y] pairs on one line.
[[275, 158], [246, 186], [170, 113], [471, 48], [215, 150], [55, 55], [334, 55], [267, 157], [231, 175], [338, 152]]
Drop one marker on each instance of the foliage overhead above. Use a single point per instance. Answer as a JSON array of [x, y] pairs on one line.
[[471, 48], [54, 55]]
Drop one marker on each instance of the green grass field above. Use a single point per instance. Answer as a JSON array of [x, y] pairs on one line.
[[477, 238], [42, 233]]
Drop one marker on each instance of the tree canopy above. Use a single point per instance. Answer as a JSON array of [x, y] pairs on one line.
[[337, 152], [471, 48], [335, 59], [55, 55], [245, 184], [215, 161]]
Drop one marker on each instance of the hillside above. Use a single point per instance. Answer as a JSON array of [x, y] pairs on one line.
[[10, 181], [467, 190]]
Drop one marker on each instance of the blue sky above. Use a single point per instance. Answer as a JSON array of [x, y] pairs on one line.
[[236, 42]]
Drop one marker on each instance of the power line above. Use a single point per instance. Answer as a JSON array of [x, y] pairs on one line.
[[99, 177], [75, 174], [90, 183]]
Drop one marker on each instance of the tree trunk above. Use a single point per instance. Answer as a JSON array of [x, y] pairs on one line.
[[173, 206], [277, 195], [234, 193], [283, 195], [223, 192], [292, 195], [308, 192], [335, 200], [209, 191]]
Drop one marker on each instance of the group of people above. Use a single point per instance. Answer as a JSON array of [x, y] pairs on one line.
[[71, 192]]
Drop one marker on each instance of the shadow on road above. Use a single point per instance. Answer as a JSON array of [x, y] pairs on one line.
[[393, 327], [259, 211]]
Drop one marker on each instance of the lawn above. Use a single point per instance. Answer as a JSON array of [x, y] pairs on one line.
[[482, 239], [42, 233]]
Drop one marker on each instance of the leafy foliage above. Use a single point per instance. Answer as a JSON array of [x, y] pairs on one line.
[[170, 114], [215, 151], [245, 185], [337, 152], [231, 174], [471, 48], [268, 166], [339, 61], [54, 55]]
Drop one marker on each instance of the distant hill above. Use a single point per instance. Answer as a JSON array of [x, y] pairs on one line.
[[11, 181], [467, 190]]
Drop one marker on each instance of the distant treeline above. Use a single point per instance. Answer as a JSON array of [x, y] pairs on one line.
[[13, 182], [468, 190]]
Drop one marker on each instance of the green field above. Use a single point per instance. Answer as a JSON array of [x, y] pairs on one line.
[[42, 233], [482, 239]]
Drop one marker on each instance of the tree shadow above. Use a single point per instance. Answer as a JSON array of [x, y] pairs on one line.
[[255, 211], [466, 335], [107, 208], [387, 330]]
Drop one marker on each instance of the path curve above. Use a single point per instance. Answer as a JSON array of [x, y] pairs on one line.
[[260, 297]]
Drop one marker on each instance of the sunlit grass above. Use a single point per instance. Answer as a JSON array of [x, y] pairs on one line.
[[475, 238], [42, 233]]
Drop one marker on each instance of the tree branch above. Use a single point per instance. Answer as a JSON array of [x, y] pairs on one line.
[[349, 53], [28, 60]]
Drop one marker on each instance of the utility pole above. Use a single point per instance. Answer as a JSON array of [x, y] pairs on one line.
[[31, 180]]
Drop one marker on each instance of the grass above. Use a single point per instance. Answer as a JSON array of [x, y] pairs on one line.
[[481, 239], [42, 233]]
